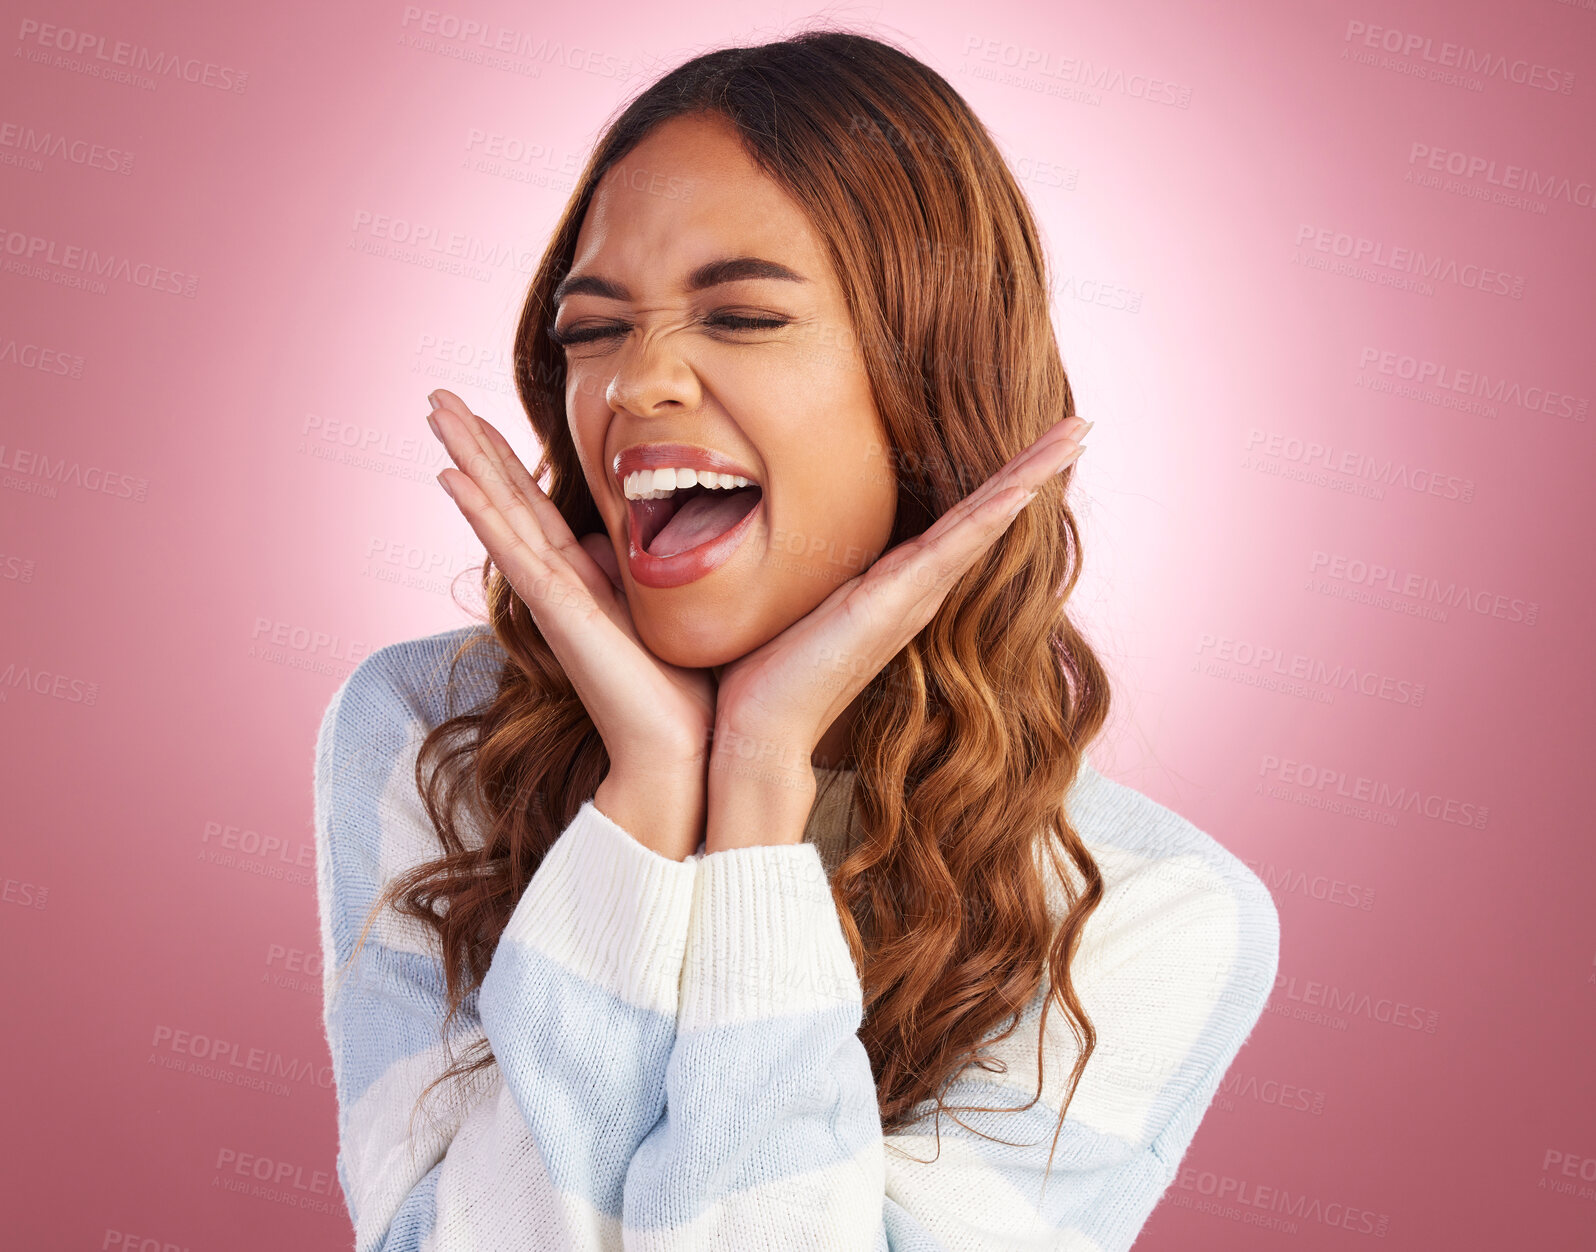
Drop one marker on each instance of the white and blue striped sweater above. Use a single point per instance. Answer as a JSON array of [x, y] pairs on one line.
[[677, 1058]]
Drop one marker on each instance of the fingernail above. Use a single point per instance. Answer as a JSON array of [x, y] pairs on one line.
[[433, 422], [1023, 501], [432, 399], [444, 484], [1084, 429], [1071, 458]]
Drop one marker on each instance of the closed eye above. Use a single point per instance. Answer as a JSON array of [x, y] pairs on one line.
[[726, 321]]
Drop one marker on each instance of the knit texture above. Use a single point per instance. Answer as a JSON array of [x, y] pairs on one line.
[[677, 1060]]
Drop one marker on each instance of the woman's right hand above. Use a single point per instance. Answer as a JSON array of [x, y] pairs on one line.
[[655, 718]]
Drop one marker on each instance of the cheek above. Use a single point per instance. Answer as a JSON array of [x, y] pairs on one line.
[[840, 480], [837, 510], [588, 429], [878, 504], [584, 386], [875, 484]]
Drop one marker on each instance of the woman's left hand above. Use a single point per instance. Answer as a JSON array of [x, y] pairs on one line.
[[774, 704]]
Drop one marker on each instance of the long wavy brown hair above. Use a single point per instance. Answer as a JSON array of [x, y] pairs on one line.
[[967, 742]]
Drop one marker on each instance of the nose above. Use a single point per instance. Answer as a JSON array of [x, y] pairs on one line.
[[652, 379]]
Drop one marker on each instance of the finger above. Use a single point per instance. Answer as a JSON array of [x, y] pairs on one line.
[[1072, 427], [509, 471], [549, 518], [548, 515], [599, 577], [513, 491], [991, 517], [507, 528], [443, 398], [458, 432], [445, 401], [899, 594], [1053, 445], [493, 445], [1052, 441], [521, 503], [475, 454], [1027, 471], [537, 580], [521, 563], [923, 570], [594, 646]]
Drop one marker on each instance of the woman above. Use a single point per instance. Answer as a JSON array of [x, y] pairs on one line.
[[716, 894]]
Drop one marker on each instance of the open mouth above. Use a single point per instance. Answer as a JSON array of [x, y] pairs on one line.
[[689, 517]]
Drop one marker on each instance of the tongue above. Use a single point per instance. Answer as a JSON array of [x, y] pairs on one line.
[[702, 518]]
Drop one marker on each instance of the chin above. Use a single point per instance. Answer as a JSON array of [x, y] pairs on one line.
[[698, 640]]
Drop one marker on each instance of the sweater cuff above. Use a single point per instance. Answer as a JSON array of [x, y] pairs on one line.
[[610, 910], [765, 939]]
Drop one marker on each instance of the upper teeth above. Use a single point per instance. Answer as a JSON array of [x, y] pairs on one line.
[[655, 484]]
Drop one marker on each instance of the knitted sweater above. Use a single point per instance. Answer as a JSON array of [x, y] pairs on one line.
[[677, 1064]]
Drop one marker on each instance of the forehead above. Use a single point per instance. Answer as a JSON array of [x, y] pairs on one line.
[[688, 194]]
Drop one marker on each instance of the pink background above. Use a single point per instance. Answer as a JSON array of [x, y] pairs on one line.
[[217, 496]]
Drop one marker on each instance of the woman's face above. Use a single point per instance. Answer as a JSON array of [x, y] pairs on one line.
[[786, 402]]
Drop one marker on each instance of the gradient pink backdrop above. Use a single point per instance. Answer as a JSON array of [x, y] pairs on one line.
[[218, 496]]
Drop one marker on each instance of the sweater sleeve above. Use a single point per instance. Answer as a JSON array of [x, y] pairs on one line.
[[578, 1005], [772, 1134]]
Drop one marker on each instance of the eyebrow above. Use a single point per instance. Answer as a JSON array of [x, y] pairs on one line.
[[711, 274]]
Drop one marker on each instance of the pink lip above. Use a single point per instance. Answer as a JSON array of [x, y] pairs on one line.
[[682, 455], [689, 566]]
